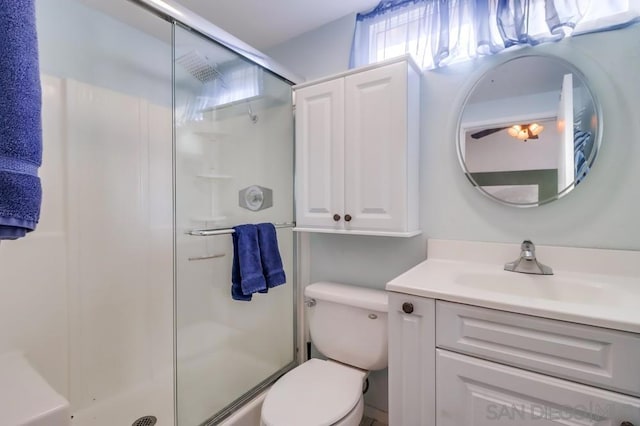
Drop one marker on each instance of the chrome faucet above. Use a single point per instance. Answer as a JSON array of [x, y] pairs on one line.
[[527, 262]]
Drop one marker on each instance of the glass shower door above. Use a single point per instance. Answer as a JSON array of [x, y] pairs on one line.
[[233, 165]]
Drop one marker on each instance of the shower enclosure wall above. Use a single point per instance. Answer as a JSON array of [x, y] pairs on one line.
[[157, 140]]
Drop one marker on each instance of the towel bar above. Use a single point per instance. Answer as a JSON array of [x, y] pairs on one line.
[[215, 256], [223, 231]]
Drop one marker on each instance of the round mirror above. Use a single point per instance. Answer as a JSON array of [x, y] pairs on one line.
[[529, 131]]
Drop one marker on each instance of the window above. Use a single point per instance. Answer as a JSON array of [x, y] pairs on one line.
[[441, 32]]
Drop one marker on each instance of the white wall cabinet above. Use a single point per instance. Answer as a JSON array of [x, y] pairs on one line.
[[458, 365], [357, 143]]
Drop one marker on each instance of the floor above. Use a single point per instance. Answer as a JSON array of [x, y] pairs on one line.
[[366, 421]]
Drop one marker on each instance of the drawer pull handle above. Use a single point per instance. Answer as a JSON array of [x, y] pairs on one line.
[[347, 218], [336, 217], [407, 308], [626, 424]]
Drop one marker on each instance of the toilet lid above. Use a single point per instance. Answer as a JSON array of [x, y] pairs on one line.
[[317, 393]]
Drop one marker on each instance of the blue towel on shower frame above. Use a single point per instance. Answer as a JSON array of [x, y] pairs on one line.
[[20, 120], [236, 278], [270, 255], [247, 276]]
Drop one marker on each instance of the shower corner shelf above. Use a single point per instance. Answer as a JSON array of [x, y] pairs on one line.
[[206, 130], [211, 136], [231, 104], [214, 176]]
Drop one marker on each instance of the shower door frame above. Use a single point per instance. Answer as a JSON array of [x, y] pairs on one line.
[[174, 12], [181, 17]]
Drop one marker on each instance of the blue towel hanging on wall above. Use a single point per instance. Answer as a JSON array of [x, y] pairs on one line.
[[20, 120]]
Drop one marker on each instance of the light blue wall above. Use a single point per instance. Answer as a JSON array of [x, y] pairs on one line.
[[318, 53], [80, 43], [602, 212]]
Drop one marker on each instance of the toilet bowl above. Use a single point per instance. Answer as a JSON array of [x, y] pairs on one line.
[[348, 325], [317, 392]]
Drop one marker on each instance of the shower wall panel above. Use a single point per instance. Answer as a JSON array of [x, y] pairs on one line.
[[33, 278], [101, 281], [88, 297], [120, 242]]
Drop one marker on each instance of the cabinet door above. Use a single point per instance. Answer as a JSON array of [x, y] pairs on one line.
[[320, 154], [376, 149], [411, 361], [473, 392]]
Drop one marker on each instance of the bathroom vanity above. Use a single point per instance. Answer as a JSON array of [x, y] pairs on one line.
[[472, 344]]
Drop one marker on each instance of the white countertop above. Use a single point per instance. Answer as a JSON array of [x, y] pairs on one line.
[[589, 286]]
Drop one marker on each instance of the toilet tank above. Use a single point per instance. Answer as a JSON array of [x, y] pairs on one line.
[[349, 324]]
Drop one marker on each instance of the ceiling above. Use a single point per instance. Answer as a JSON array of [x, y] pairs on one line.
[[266, 23]]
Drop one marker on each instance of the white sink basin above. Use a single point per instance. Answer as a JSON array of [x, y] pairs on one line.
[[590, 286], [549, 287]]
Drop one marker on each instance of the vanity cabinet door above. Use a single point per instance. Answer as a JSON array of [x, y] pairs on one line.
[[474, 392], [320, 155], [411, 361]]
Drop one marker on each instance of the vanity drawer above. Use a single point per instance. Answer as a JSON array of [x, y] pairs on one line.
[[475, 392], [591, 355]]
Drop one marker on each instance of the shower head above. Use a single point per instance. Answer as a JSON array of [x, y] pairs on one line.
[[199, 66]]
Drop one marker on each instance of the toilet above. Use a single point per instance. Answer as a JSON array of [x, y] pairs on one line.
[[348, 325]]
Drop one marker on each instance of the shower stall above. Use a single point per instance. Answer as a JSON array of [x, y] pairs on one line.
[[161, 133]]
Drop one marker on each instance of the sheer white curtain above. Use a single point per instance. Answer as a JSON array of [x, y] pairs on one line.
[[441, 32]]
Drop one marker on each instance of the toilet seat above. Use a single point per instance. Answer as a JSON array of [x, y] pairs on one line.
[[316, 393]]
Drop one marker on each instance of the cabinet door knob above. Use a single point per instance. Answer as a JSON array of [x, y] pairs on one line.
[[347, 218], [407, 307], [336, 217], [626, 424]]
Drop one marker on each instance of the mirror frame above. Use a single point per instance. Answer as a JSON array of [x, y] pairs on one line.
[[596, 144]]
